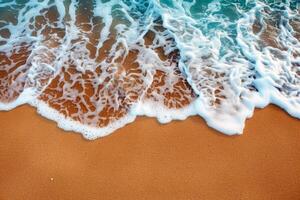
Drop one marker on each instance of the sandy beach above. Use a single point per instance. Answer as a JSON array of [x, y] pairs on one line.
[[93, 60], [147, 160]]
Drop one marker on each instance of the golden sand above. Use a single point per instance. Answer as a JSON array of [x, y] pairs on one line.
[[147, 160]]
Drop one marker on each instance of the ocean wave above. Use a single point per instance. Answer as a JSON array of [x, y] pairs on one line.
[[93, 66]]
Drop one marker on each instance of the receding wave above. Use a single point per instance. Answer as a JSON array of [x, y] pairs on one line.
[[93, 66]]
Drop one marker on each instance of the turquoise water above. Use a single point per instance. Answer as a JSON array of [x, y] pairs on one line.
[[94, 66]]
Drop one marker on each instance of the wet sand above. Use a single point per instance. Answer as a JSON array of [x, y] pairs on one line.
[[146, 160]]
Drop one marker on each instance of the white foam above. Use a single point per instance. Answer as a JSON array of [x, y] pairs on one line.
[[162, 113], [229, 75], [25, 97], [69, 124], [190, 40]]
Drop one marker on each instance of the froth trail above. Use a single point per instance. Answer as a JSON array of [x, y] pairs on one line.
[[93, 66]]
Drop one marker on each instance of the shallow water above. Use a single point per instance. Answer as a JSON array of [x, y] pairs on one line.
[[93, 66]]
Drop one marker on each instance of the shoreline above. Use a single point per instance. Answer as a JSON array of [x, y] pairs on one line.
[[147, 160]]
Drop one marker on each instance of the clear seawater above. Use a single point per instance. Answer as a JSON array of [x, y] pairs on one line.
[[93, 66]]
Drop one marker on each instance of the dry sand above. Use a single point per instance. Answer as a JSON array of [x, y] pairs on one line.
[[146, 160]]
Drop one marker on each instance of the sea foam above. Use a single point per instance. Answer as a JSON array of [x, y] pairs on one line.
[[94, 66]]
